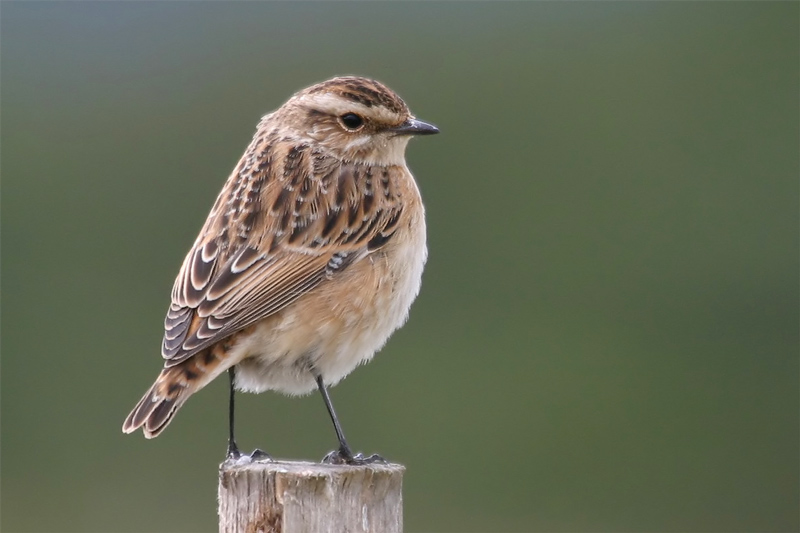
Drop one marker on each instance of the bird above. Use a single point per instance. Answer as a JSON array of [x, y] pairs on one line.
[[309, 260]]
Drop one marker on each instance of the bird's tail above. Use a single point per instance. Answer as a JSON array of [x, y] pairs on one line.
[[171, 389]]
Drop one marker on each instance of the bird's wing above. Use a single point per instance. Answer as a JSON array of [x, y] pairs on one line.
[[275, 234]]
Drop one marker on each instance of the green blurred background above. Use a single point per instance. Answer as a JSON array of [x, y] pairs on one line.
[[607, 334]]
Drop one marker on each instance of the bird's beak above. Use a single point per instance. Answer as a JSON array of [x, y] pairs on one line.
[[413, 126]]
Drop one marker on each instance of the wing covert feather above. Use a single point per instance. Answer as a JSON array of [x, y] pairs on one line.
[[258, 253]]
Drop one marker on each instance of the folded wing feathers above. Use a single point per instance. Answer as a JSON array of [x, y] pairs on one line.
[[226, 286]]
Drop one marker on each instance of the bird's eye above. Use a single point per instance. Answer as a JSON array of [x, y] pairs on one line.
[[351, 121]]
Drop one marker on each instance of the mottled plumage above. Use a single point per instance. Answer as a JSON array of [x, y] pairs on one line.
[[310, 257]]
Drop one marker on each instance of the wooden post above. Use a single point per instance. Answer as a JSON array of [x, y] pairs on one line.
[[300, 497]]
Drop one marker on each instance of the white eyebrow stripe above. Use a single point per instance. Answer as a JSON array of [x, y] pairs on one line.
[[336, 105]]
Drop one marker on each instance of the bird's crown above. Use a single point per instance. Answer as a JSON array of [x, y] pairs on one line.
[[363, 91]]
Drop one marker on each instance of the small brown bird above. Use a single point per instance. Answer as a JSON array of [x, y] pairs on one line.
[[309, 260]]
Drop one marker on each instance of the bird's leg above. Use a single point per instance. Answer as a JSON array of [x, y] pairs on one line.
[[343, 455], [233, 449], [344, 450]]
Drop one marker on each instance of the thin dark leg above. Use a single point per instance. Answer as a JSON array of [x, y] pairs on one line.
[[233, 450], [344, 449], [343, 454]]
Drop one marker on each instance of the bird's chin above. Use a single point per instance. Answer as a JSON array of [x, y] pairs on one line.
[[391, 151]]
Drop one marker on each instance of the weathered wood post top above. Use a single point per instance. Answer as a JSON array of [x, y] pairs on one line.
[[299, 497]]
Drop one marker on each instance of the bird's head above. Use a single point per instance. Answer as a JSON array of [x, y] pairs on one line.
[[354, 119]]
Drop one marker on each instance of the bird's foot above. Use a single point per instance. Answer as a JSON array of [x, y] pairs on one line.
[[233, 452], [260, 455], [345, 457], [234, 455]]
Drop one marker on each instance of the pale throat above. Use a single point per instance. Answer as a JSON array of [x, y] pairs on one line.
[[380, 150]]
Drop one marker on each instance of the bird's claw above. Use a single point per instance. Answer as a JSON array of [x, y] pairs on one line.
[[260, 455], [234, 455], [340, 457]]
